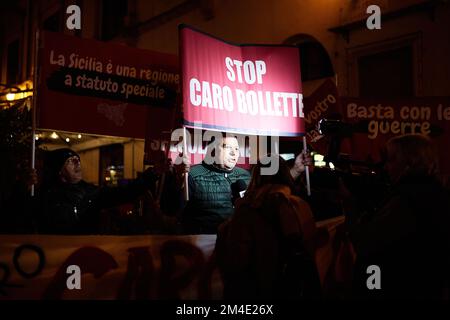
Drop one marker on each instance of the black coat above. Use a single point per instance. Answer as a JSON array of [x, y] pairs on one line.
[[408, 238], [75, 208]]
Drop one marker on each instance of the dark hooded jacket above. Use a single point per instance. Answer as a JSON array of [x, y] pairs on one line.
[[65, 208], [408, 239], [254, 245]]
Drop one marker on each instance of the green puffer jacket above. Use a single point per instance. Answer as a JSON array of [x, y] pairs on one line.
[[210, 198]]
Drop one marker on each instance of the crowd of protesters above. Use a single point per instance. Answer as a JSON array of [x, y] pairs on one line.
[[267, 239]]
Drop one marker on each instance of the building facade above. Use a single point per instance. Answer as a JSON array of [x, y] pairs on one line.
[[406, 57]]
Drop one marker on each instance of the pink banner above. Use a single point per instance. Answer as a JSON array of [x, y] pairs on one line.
[[103, 88], [246, 89], [323, 103], [378, 120]]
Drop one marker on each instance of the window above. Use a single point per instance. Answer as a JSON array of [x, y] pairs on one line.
[[314, 60], [53, 22], [12, 64], [111, 164], [387, 74], [113, 14]]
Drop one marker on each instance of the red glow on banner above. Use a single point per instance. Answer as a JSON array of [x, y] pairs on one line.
[[102, 88], [251, 89]]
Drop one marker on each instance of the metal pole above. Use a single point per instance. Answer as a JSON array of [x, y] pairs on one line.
[[133, 169], [33, 119], [275, 145], [308, 185], [160, 190], [186, 174]]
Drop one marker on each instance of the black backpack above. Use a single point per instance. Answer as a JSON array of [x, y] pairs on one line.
[[298, 274], [299, 278]]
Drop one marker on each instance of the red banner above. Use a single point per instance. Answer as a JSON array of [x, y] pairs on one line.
[[386, 118], [323, 103], [102, 88], [246, 89]]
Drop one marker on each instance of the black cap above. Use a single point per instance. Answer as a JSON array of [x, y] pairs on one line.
[[57, 158]]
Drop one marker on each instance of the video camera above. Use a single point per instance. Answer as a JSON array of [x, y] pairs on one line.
[[365, 180]]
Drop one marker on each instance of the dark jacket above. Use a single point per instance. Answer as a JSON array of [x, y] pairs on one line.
[[210, 197], [75, 208], [253, 245], [408, 238]]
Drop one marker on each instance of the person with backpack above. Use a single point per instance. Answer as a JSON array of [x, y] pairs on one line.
[[266, 250]]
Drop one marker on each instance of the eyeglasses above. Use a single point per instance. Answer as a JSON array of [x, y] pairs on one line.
[[73, 160], [229, 147]]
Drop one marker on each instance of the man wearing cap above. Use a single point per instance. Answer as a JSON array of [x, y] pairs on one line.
[[67, 204]]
